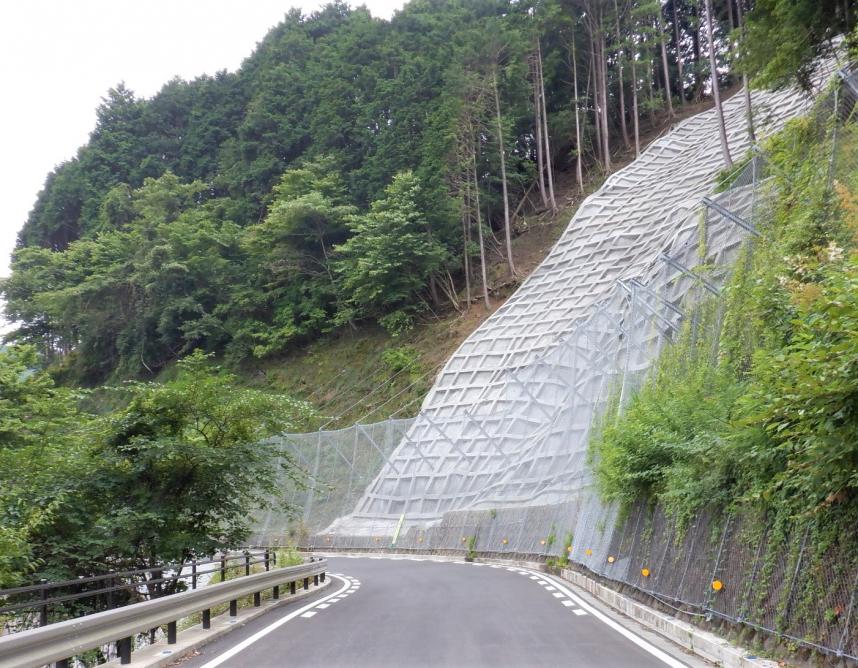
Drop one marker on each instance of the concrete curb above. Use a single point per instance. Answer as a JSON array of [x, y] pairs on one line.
[[189, 640], [700, 642]]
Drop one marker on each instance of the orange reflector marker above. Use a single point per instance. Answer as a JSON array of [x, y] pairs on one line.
[[717, 585], [505, 541], [645, 572], [542, 542], [611, 560], [569, 549], [588, 551]]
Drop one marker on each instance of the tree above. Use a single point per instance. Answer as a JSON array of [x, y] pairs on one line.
[[784, 39], [716, 93], [391, 254]]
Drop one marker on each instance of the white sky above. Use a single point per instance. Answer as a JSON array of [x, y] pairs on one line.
[[59, 57]]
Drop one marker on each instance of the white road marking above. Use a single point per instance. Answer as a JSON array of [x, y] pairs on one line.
[[579, 612], [308, 614], [557, 594], [567, 603], [533, 577], [548, 587], [662, 656], [300, 612], [322, 606]]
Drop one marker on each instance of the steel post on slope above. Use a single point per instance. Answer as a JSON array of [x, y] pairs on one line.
[[681, 268], [729, 215]]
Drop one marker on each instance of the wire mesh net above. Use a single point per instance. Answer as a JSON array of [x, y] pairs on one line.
[[496, 460]]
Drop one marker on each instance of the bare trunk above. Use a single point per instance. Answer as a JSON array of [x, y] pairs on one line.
[[597, 119], [679, 74], [635, 103], [466, 239], [730, 14], [622, 52], [716, 93], [667, 92], [749, 109], [507, 225], [604, 68], [698, 56], [548, 166], [540, 161], [579, 172], [480, 237]]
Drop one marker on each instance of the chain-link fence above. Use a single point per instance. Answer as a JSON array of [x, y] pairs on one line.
[[508, 474]]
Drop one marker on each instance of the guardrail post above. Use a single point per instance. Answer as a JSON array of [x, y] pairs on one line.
[[43, 611], [275, 593], [246, 562], [267, 560], [194, 574], [292, 588], [123, 648], [306, 583], [207, 618], [62, 663], [111, 582], [322, 576], [171, 633], [257, 599], [316, 579], [233, 608]]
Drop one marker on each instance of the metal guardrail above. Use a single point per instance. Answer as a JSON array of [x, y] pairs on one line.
[[57, 642], [129, 584]]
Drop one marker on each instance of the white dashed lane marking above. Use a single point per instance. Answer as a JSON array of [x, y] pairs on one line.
[[308, 614]]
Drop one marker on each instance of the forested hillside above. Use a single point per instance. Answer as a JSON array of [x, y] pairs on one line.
[[351, 170]]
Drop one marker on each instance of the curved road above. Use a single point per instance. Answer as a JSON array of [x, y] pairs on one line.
[[418, 612]]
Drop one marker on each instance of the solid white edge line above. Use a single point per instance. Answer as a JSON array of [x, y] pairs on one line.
[[272, 627], [662, 656]]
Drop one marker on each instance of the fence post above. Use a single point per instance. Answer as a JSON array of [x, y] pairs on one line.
[[123, 648], [111, 581], [222, 567], [710, 593], [246, 562], [841, 648], [43, 610], [194, 574]]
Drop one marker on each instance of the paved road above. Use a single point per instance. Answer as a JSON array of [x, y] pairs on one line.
[[404, 612]]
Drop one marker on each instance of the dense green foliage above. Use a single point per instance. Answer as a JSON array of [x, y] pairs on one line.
[[249, 212], [785, 38], [757, 400], [172, 474]]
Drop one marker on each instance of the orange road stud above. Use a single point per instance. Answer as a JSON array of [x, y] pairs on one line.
[[717, 585], [645, 572]]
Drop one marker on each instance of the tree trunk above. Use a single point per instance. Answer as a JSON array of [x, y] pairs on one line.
[[716, 93], [667, 92], [621, 52], [579, 172], [480, 236], [540, 161], [635, 113], [466, 238], [604, 67], [597, 119], [548, 166], [749, 110], [698, 57], [679, 78], [507, 224]]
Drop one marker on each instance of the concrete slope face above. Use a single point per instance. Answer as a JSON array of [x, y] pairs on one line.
[[506, 424]]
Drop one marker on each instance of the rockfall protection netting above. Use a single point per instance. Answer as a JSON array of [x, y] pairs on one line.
[[496, 459]]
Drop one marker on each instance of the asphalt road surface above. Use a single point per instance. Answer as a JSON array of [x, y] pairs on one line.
[[415, 612]]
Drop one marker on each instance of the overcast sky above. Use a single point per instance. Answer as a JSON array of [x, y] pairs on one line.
[[59, 57]]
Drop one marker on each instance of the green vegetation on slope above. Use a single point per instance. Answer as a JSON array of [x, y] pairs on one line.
[[756, 403]]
